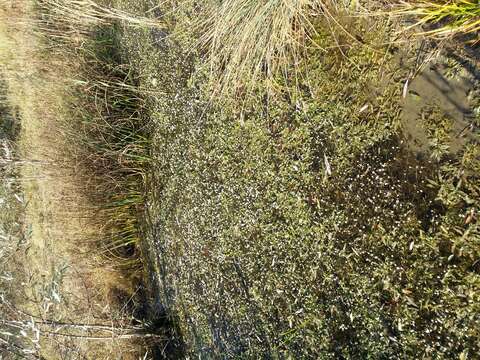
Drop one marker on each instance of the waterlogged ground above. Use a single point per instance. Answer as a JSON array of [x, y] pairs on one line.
[[446, 86], [328, 219]]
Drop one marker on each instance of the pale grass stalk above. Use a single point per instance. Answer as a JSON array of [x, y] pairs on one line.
[[90, 12]]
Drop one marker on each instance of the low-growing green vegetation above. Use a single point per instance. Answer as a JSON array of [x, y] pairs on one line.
[[295, 222]]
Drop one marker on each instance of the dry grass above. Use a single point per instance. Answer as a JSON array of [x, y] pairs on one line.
[[106, 136], [87, 13], [69, 279], [247, 40]]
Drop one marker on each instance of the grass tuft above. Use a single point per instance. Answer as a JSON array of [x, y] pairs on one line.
[[247, 40], [452, 17]]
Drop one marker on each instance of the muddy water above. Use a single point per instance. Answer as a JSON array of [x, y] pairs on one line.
[[449, 84]]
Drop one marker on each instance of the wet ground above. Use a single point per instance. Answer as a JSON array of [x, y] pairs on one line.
[[446, 87]]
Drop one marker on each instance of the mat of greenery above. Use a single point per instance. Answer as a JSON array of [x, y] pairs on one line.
[[294, 222]]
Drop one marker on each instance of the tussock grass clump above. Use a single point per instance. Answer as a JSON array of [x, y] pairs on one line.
[[452, 17], [250, 39]]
